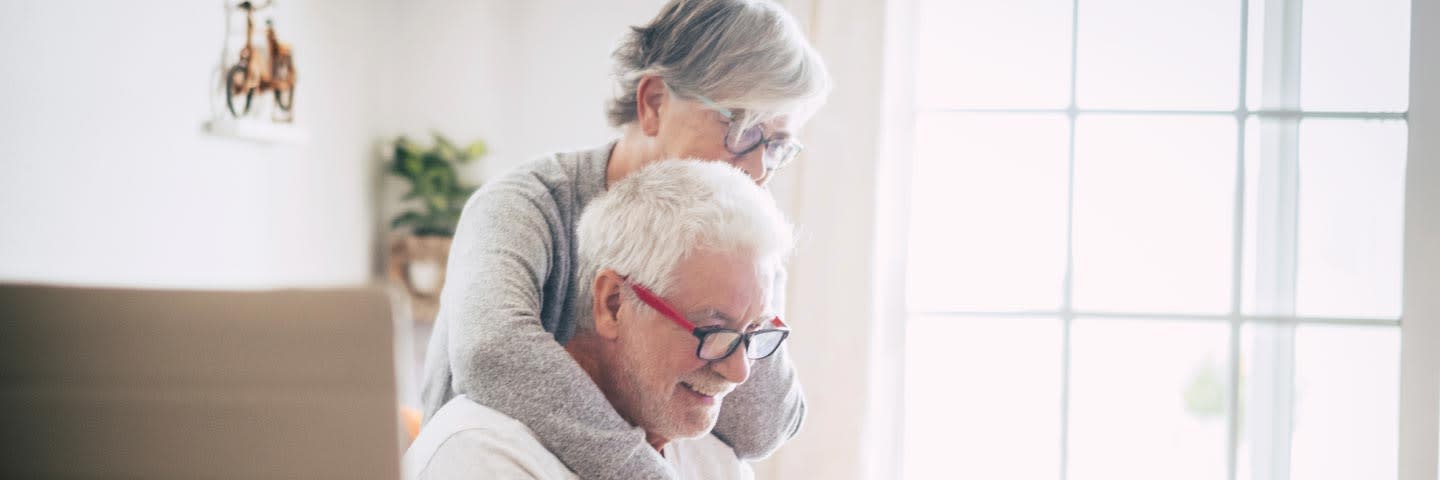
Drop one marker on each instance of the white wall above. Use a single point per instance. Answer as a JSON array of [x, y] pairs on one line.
[[108, 178], [527, 77]]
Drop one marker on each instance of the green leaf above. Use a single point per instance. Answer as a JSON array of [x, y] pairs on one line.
[[438, 178], [463, 194], [1205, 395], [397, 165], [407, 218], [433, 160], [397, 162], [445, 149], [452, 219], [434, 178], [475, 150], [438, 202], [404, 149], [413, 165], [435, 231]]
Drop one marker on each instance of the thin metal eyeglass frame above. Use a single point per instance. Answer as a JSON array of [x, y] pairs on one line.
[[771, 144]]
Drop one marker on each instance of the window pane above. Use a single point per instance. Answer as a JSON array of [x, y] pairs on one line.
[[1351, 185], [987, 229], [1158, 54], [1255, 55], [1249, 288], [1148, 400], [1355, 55], [982, 398], [1352, 196], [1341, 394], [1153, 213], [1347, 402], [977, 53]]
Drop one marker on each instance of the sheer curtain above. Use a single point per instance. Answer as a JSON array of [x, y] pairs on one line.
[[844, 284]]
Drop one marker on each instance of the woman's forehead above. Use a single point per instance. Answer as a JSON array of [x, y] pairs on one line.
[[770, 120], [782, 124]]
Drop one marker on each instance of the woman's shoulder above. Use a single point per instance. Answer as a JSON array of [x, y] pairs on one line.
[[557, 175], [554, 180]]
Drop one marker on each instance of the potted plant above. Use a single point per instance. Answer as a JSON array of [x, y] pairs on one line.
[[421, 245]]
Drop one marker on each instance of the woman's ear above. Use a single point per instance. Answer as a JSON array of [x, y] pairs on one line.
[[606, 309], [650, 97]]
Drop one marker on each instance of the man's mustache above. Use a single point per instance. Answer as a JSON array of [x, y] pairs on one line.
[[709, 381]]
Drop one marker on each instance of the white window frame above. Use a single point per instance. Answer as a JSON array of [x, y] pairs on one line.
[[1420, 332], [1419, 446]]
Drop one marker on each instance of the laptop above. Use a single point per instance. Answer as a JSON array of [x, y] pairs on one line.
[[156, 384]]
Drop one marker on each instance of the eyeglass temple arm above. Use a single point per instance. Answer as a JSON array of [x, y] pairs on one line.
[[725, 112], [656, 303]]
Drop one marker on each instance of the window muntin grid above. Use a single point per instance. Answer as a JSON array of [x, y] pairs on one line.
[[1282, 76]]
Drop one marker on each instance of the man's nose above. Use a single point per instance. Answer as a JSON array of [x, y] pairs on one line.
[[735, 368]]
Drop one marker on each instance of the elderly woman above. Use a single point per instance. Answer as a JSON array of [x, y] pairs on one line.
[[725, 80]]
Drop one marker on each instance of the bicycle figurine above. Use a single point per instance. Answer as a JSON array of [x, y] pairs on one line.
[[262, 73]]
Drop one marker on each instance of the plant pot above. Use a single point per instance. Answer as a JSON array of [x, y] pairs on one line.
[[425, 277], [417, 264]]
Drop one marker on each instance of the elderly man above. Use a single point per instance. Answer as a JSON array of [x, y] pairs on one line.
[[681, 257]]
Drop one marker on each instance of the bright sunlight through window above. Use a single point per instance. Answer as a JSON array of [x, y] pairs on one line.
[[1156, 239]]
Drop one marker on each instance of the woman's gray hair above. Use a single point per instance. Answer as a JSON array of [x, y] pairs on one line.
[[744, 55], [650, 221]]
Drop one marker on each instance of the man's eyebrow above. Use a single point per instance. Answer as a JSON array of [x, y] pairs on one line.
[[707, 314]]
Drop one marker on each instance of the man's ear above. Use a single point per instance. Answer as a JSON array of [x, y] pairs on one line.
[[606, 308], [650, 96]]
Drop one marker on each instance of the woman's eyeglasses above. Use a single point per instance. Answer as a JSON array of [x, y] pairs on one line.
[[779, 150]]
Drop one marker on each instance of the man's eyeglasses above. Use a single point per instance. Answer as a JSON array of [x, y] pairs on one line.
[[779, 150], [717, 343]]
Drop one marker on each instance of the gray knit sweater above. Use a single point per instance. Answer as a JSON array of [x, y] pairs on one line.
[[508, 306]]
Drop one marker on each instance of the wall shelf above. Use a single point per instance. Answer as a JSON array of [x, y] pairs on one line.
[[257, 131]]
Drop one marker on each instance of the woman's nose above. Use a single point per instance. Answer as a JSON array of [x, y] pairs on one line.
[[753, 164]]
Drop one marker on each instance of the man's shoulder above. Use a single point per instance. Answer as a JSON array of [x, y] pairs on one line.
[[469, 440], [707, 457]]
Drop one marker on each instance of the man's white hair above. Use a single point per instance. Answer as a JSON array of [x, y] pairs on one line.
[[648, 222]]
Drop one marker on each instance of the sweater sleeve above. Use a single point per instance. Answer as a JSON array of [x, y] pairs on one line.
[[503, 358], [768, 409]]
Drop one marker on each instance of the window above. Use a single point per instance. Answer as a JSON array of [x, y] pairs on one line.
[[1156, 239]]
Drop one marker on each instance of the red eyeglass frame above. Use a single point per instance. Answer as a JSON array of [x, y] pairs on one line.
[[659, 304]]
